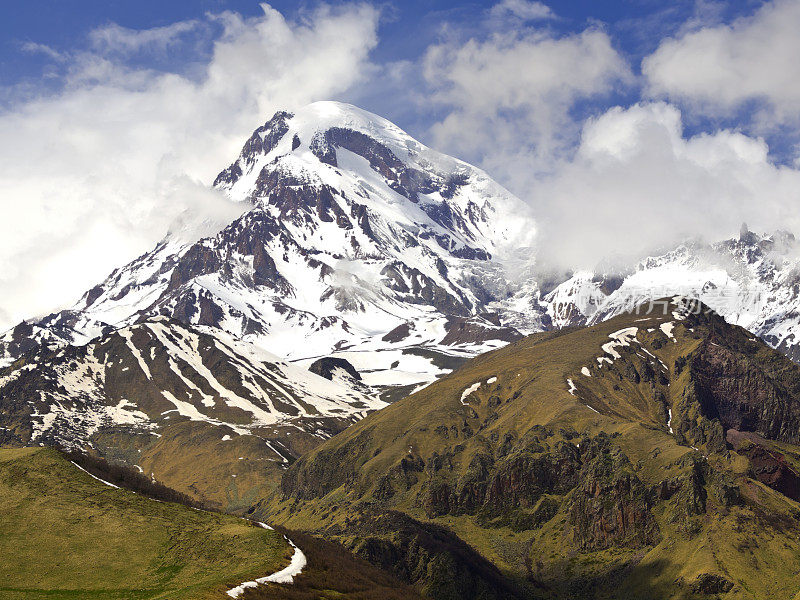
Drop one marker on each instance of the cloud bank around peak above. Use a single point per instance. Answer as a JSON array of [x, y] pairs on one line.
[[537, 109], [509, 96], [637, 183], [96, 172]]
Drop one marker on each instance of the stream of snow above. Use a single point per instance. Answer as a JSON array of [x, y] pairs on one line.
[[285, 575]]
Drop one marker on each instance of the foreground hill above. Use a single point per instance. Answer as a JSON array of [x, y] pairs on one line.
[[64, 534], [649, 456]]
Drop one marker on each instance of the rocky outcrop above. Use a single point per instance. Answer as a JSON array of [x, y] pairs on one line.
[[608, 504], [429, 556], [504, 488], [767, 465], [417, 288], [475, 330], [736, 384], [328, 366], [263, 141], [708, 584], [611, 506]]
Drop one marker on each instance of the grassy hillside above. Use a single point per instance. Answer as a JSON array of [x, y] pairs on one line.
[[590, 463], [66, 535]]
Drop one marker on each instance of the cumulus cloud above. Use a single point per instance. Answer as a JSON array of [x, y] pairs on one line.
[[720, 68], [637, 183], [96, 173], [628, 180], [509, 96]]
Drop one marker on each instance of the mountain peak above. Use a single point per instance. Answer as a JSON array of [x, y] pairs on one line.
[[316, 143]]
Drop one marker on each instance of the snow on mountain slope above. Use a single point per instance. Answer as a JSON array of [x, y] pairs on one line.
[[575, 300], [753, 281], [352, 229], [140, 379]]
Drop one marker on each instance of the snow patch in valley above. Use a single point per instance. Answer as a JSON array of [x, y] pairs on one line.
[[116, 487], [285, 575]]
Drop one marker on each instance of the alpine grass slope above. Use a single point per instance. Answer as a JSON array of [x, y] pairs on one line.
[[66, 535], [647, 456]]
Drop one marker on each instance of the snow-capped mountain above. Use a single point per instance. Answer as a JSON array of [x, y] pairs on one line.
[[357, 241], [352, 229], [753, 281]]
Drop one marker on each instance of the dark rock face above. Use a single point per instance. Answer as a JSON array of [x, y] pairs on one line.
[[417, 288], [429, 556], [263, 141], [21, 339], [609, 283], [404, 180], [524, 492], [708, 583], [199, 260], [745, 394], [768, 466], [326, 367], [507, 488], [474, 330], [398, 334], [611, 506]]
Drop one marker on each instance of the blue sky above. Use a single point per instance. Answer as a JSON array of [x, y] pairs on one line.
[[406, 30], [409, 26], [626, 126]]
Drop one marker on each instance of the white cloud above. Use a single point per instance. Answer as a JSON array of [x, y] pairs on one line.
[[637, 183], [509, 96], [97, 173], [36, 48], [114, 38], [622, 183], [522, 9], [719, 68]]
